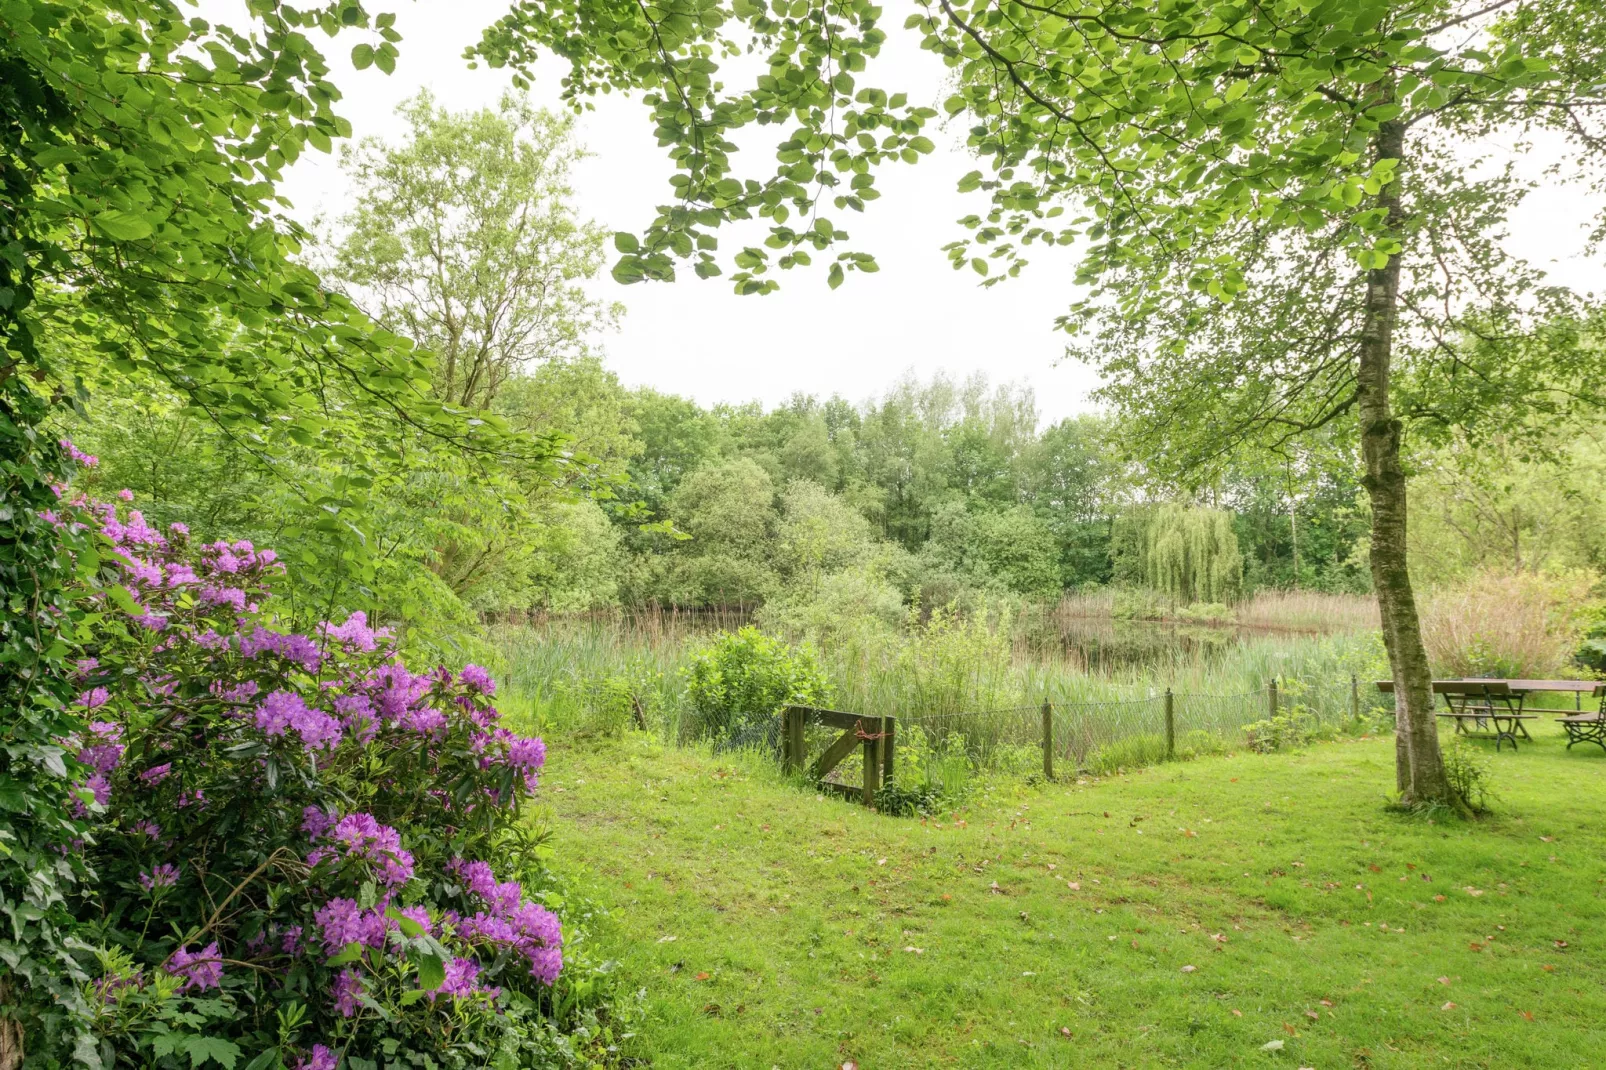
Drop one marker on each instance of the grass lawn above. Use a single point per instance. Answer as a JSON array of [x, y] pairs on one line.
[[1186, 915]]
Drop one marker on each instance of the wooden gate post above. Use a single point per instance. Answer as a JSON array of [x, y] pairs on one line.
[[795, 717], [1048, 740], [1170, 726], [872, 761], [889, 744], [1271, 698], [1354, 698]]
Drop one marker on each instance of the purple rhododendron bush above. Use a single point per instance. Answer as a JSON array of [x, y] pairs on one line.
[[305, 854]]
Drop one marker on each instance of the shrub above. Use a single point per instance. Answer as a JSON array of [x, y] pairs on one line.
[[1470, 774], [292, 834], [741, 679], [1520, 625]]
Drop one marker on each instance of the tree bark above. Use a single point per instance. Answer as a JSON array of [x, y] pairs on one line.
[[1419, 767]]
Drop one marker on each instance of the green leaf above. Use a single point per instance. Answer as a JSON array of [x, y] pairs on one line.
[[123, 226], [350, 953], [410, 928], [216, 1049], [626, 242], [431, 971], [362, 57], [834, 279]]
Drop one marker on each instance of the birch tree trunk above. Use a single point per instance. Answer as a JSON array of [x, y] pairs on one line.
[[1419, 767]]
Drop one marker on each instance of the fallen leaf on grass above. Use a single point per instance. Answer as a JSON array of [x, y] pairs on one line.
[[1065, 1032], [1438, 899], [1073, 886], [1448, 1006], [666, 939], [850, 1065], [1527, 1014], [1475, 946], [1189, 969], [1470, 890], [1236, 1013], [1548, 968], [1272, 1045], [881, 861], [1444, 980], [1313, 1016], [1559, 944], [915, 950], [703, 976], [1290, 1030]]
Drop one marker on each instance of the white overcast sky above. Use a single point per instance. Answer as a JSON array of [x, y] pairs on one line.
[[696, 338]]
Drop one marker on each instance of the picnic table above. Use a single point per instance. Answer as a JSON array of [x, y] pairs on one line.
[[1482, 704], [1499, 704]]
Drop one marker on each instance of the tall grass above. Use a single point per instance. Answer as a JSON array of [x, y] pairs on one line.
[[1520, 625], [957, 677], [1269, 610]]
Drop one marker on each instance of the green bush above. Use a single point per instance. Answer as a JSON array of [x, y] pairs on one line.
[[741, 680], [1470, 775], [930, 774]]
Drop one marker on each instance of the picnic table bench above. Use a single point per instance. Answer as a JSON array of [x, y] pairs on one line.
[[1481, 704], [1500, 703], [1587, 727]]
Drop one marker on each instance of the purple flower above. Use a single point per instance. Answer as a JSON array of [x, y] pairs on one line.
[[162, 876], [201, 970], [343, 922], [98, 787], [354, 633], [478, 679], [319, 1058], [286, 709], [231, 597], [88, 460], [94, 697], [363, 838], [345, 991], [104, 748], [157, 773], [178, 528], [85, 666], [315, 822], [126, 494], [427, 721], [461, 973], [290, 942], [149, 829]]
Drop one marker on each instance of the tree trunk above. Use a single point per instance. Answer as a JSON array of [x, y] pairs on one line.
[[1419, 767]]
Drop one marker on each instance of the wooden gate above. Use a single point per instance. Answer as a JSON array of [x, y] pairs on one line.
[[875, 734]]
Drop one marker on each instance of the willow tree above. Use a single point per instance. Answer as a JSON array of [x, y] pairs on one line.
[[1280, 218], [1192, 554]]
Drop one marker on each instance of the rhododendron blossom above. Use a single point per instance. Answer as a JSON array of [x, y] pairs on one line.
[[306, 766]]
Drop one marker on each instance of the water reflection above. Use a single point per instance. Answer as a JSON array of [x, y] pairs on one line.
[[1106, 645]]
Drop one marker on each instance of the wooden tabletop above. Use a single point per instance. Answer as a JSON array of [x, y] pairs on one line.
[[1586, 687]]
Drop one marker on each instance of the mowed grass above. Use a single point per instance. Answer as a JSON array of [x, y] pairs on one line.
[[1054, 925]]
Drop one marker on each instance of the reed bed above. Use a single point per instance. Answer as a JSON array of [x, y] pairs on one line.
[[965, 683]]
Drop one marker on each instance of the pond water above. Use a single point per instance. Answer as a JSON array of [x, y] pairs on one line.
[[1106, 645]]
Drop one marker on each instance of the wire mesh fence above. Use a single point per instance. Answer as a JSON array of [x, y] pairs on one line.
[[1073, 737]]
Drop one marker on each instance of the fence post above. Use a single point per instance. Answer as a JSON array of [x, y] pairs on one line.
[[1048, 740], [872, 764], [1170, 726], [1354, 698], [795, 718], [1271, 698], [889, 745]]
